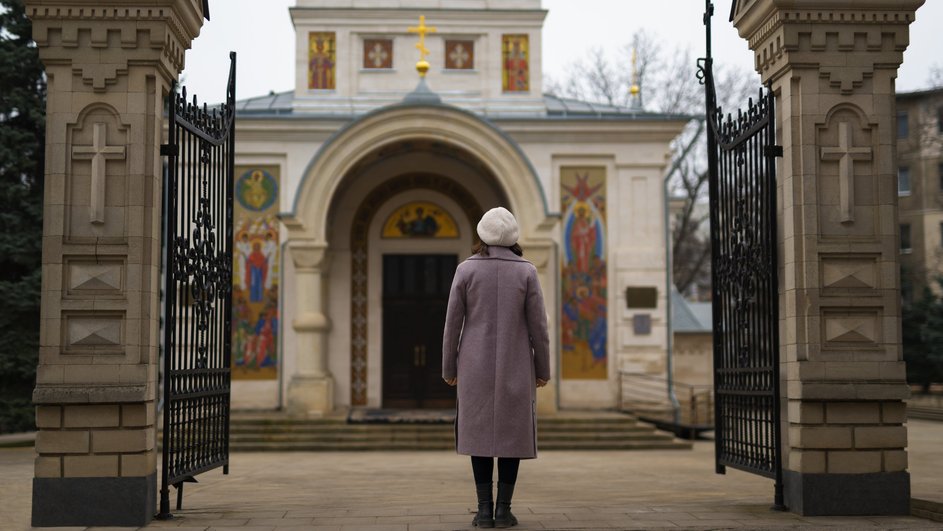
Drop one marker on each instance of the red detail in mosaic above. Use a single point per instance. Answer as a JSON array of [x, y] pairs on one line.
[[515, 59]]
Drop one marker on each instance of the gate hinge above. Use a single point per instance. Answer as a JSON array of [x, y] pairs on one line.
[[774, 151], [169, 150]]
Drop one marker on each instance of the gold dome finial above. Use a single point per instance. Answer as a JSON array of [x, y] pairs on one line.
[[422, 66]]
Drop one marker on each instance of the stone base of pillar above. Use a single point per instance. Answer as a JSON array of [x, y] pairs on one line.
[[873, 494], [82, 502], [311, 396]]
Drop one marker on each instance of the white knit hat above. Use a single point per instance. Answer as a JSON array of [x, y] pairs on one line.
[[498, 227]]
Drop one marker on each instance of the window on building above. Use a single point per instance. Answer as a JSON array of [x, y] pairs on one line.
[[939, 119], [905, 243], [903, 180], [903, 125]]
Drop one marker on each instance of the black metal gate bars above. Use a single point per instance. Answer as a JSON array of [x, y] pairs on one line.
[[198, 212], [742, 167]]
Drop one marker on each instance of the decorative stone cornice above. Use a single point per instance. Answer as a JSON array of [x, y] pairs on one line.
[[813, 33], [130, 31], [309, 256]]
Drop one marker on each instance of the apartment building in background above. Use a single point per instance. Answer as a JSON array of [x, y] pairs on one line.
[[920, 188]]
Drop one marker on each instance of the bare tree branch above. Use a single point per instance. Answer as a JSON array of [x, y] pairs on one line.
[[935, 79], [668, 82], [600, 76]]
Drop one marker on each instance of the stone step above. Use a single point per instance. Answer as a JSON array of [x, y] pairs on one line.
[[925, 413], [413, 428], [444, 436], [443, 445], [273, 432], [931, 510], [341, 422]]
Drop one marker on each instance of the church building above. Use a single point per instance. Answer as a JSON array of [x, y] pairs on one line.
[[358, 192]]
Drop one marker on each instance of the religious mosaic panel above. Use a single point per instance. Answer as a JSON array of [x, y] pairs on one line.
[[377, 53], [420, 219], [322, 60], [583, 320], [256, 264], [459, 55], [515, 63]]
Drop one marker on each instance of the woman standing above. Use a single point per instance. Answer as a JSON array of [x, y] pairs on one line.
[[496, 349]]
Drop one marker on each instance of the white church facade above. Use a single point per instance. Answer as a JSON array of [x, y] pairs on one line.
[[358, 192]]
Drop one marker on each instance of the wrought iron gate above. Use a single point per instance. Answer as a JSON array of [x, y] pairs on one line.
[[198, 211], [742, 155]]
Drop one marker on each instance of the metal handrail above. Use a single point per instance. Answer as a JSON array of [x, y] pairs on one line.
[[696, 400]]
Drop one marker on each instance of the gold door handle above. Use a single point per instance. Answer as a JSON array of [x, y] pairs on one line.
[[416, 356]]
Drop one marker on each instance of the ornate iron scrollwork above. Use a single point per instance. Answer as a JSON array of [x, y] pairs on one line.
[[201, 268], [742, 182], [198, 292]]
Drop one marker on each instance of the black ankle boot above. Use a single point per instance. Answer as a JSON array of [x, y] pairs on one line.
[[485, 516], [502, 508]]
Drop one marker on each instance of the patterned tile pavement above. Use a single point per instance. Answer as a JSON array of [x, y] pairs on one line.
[[412, 491]]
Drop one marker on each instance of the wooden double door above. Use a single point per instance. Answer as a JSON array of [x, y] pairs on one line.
[[415, 298]]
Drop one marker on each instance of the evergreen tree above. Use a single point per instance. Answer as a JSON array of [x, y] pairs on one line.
[[22, 141], [922, 331]]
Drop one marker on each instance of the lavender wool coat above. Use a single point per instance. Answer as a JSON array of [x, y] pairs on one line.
[[496, 344]]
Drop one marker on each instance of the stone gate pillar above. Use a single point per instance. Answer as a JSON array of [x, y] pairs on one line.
[[832, 65], [109, 67]]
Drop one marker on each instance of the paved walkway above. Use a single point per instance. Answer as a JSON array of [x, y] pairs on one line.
[[410, 491]]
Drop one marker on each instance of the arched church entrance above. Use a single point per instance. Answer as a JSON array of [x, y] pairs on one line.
[[417, 203], [383, 215]]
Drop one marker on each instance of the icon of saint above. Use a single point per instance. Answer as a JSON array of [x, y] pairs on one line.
[[256, 273], [321, 65]]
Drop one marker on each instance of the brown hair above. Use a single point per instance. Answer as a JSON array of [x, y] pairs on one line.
[[482, 249]]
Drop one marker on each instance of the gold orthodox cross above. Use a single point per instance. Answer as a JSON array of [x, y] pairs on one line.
[[422, 66]]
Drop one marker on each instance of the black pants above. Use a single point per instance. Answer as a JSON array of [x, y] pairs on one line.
[[483, 468]]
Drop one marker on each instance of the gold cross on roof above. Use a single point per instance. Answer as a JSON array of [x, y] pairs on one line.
[[422, 66]]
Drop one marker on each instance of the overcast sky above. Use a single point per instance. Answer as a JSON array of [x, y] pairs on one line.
[[262, 34]]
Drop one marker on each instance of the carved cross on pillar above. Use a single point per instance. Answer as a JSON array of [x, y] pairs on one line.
[[99, 152], [846, 155]]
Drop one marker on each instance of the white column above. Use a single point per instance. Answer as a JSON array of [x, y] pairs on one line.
[[540, 253], [311, 390]]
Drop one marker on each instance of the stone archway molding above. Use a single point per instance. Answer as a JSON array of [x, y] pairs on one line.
[[409, 122]]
